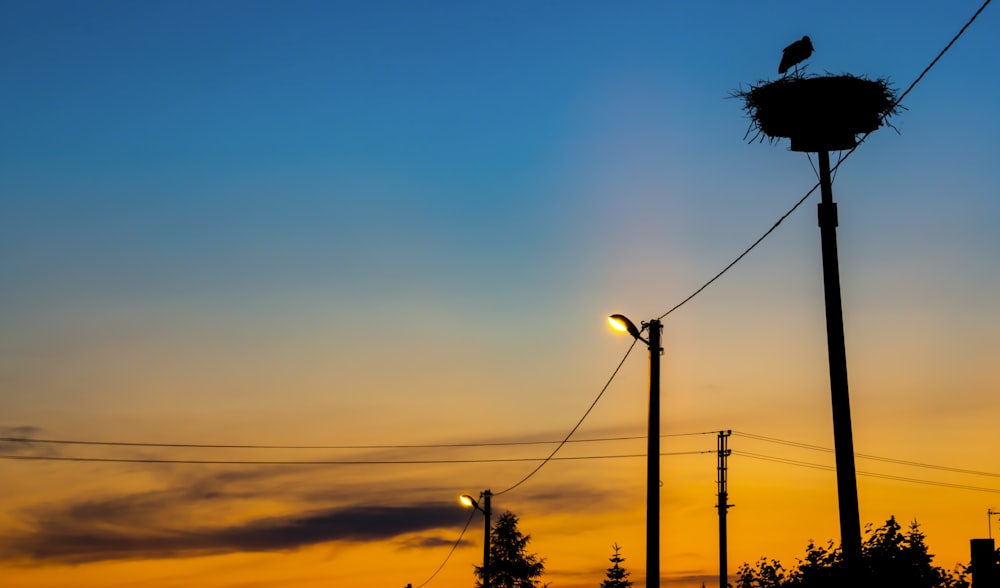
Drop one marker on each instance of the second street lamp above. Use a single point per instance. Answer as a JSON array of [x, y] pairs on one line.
[[485, 509], [621, 323]]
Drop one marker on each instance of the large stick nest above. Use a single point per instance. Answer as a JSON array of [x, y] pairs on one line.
[[818, 113]]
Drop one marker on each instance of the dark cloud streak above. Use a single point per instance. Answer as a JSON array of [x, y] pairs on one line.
[[81, 534]]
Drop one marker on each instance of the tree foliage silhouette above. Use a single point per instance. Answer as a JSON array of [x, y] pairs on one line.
[[889, 557], [617, 575], [511, 566]]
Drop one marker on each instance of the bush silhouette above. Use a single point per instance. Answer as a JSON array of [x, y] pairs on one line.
[[889, 557]]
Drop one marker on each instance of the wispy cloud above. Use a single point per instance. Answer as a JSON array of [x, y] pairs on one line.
[[20, 431], [429, 541], [11, 441]]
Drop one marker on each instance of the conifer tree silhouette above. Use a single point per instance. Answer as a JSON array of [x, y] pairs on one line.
[[511, 566], [617, 574]]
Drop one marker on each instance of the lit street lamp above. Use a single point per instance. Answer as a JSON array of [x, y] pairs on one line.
[[621, 323], [485, 509]]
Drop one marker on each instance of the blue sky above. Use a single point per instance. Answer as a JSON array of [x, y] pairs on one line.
[[242, 138], [335, 222]]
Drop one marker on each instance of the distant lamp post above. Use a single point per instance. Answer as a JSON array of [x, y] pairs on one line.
[[485, 509], [621, 323]]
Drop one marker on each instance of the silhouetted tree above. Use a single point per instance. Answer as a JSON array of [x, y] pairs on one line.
[[511, 566], [889, 557], [617, 575]]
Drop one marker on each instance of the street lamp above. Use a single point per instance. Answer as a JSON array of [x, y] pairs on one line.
[[485, 509], [621, 323]]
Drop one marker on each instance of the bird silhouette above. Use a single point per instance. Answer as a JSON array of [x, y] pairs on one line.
[[795, 54]]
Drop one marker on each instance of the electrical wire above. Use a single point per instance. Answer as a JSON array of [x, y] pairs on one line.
[[737, 433], [943, 51], [550, 458], [841, 160], [830, 468], [917, 80], [868, 456], [742, 255], [780, 441], [577, 425], [30, 440], [151, 460], [453, 548]]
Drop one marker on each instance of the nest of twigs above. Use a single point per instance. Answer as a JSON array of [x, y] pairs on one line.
[[818, 113]]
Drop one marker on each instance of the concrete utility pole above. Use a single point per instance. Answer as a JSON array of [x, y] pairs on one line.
[[653, 459], [723, 506], [843, 436], [487, 514]]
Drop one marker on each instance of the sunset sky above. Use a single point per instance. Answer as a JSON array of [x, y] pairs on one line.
[[392, 231]]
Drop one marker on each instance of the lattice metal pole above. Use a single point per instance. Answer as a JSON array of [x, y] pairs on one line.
[[723, 506]]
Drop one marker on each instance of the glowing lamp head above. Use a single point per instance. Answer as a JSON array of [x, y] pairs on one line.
[[467, 500], [617, 323], [620, 322]]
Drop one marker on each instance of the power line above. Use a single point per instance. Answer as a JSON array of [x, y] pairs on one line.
[[753, 436], [742, 255], [577, 425], [795, 462], [781, 441], [29, 440], [150, 460], [841, 160], [453, 548], [869, 456], [549, 458], [928, 466], [937, 58], [916, 81]]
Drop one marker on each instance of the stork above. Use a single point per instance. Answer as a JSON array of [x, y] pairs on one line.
[[795, 54]]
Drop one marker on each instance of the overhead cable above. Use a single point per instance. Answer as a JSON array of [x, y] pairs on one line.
[[841, 160], [30, 440], [370, 462], [453, 547], [868, 456], [805, 464], [576, 426]]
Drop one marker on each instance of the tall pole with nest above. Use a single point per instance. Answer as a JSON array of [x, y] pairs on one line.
[[822, 114], [843, 435]]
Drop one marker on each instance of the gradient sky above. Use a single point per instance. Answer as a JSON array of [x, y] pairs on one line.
[[403, 223]]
